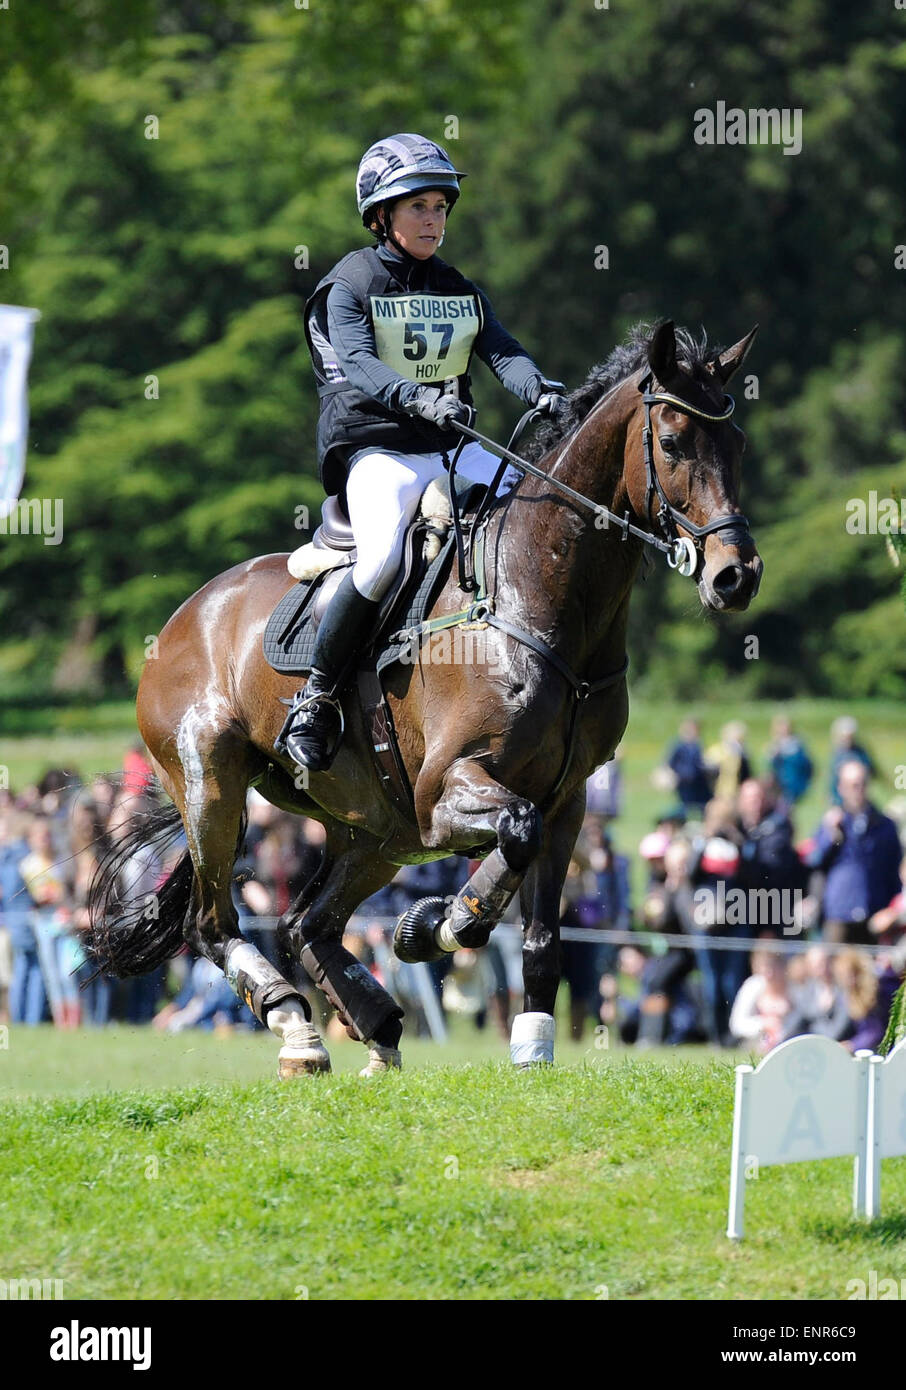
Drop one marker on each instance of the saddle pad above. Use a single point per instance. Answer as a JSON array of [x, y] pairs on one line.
[[289, 638]]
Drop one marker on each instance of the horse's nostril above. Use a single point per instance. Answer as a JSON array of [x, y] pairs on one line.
[[729, 579]]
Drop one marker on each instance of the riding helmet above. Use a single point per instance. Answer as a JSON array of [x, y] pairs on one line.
[[400, 165]]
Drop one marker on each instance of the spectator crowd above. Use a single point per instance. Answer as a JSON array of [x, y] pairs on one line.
[[744, 934]]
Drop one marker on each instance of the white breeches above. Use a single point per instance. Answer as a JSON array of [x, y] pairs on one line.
[[382, 496]]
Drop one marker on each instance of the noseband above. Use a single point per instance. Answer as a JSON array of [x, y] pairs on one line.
[[669, 517]]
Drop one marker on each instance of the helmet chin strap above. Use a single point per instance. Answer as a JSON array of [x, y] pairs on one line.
[[388, 233]]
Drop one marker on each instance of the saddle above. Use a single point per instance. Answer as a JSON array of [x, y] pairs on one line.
[[319, 566]]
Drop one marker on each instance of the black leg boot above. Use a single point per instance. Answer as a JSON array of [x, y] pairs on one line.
[[315, 732]]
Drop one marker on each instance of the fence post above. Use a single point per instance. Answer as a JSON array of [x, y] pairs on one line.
[[736, 1213], [866, 1165], [873, 1167]]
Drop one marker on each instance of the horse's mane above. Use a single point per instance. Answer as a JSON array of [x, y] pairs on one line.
[[692, 353]]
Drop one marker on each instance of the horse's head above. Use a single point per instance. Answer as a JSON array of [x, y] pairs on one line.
[[684, 480]]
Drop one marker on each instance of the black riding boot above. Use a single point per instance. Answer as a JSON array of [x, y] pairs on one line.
[[315, 732]]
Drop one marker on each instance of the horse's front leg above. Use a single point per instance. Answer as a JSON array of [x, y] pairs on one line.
[[532, 1036], [472, 810]]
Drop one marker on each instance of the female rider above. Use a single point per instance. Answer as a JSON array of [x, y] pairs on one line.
[[391, 330]]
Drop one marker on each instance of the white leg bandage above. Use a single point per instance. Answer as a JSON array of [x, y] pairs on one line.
[[445, 938], [302, 1052], [288, 1021], [381, 1059], [532, 1039]]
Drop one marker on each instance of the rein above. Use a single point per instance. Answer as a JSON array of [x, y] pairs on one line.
[[510, 457], [681, 552]]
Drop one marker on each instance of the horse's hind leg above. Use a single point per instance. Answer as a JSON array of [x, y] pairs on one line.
[[351, 871], [209, 785]]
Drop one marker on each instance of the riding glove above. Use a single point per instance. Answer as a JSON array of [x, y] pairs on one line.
[[551, 397], [438, 410]]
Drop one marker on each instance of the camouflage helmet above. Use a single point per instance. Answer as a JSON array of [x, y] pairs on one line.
[[400, 165]]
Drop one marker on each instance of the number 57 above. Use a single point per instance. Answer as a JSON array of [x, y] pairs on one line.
[[417, 344]]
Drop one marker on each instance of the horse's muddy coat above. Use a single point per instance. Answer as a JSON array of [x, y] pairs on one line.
[[477, 740]]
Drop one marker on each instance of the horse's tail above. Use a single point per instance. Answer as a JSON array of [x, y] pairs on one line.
[[131, 933]]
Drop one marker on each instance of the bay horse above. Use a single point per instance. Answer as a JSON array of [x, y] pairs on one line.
[[648, 436]]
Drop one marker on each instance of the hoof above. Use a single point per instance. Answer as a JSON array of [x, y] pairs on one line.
[[382, 1059], [414, 940], [302, 1061]]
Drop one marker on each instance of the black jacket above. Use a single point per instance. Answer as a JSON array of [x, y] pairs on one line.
[[362, 395]]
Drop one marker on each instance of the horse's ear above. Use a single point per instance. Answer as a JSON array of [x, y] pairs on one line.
[[731, 359], [662, 351]]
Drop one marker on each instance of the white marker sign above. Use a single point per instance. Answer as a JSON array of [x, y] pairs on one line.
[[16, 328]]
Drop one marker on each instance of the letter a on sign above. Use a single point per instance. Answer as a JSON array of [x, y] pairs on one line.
[[803, 1128]]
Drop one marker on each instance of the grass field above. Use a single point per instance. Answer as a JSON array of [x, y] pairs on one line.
[[141, 1165], [144, 1166]]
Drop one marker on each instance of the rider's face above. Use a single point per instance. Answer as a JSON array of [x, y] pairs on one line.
[[418, 223]]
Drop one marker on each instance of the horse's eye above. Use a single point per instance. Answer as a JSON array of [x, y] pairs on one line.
[[669, 445]]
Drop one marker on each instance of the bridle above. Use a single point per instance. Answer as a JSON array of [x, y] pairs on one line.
[[668, 516], [682, 552]]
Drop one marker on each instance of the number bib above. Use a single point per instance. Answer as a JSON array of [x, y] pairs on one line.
[[426, 337]]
